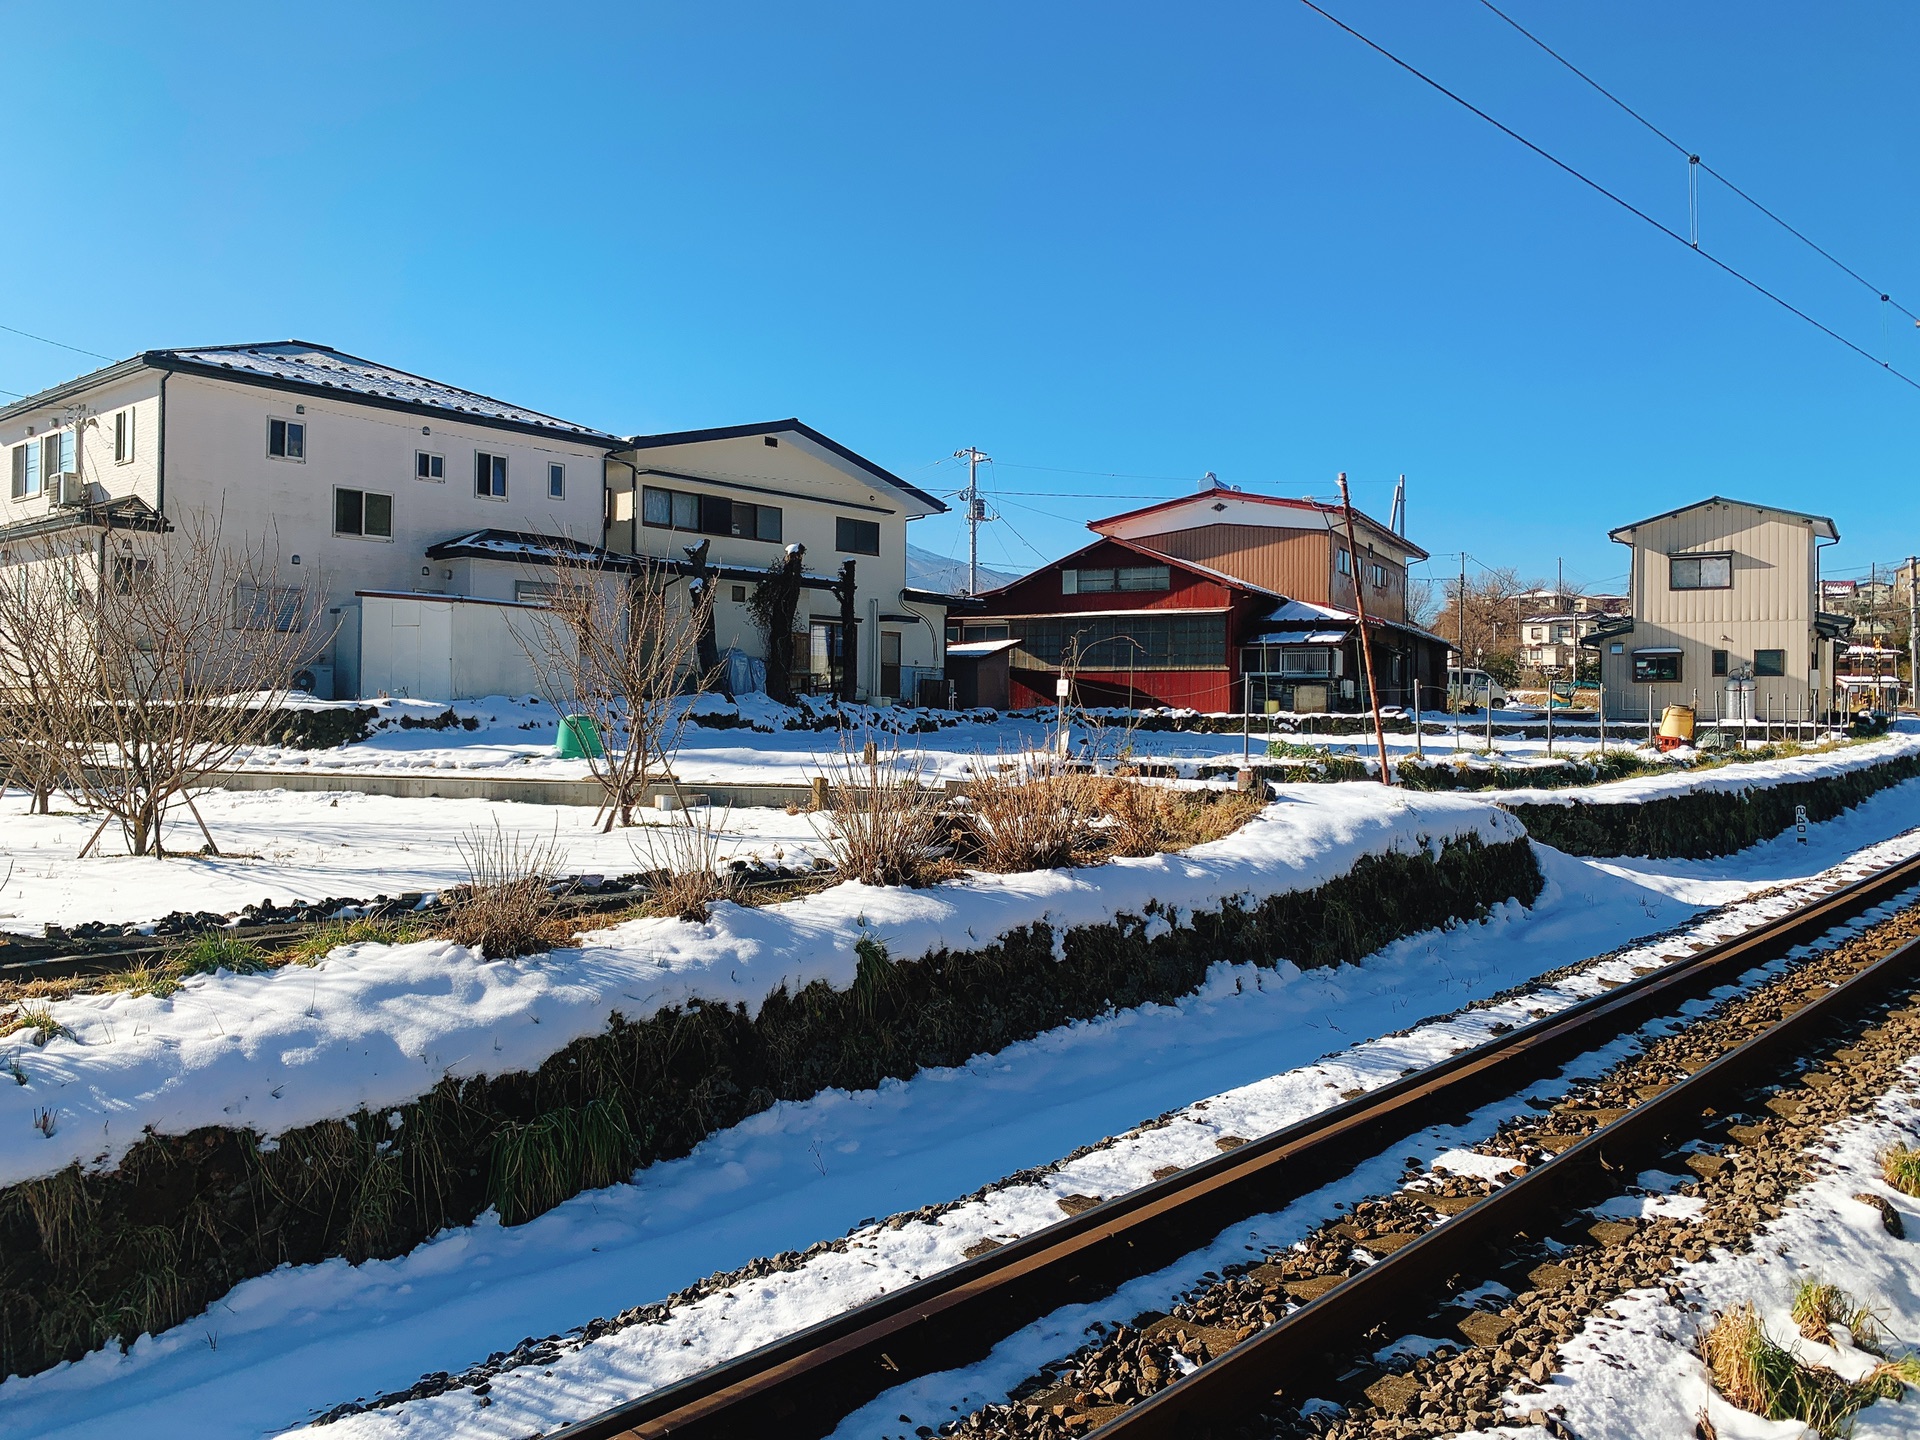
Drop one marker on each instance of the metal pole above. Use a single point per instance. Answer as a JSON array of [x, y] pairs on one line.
[[1246, 722], [1419, 749], [1366, 640], [1550, 710]]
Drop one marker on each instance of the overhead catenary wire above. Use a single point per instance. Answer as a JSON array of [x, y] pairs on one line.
[[1619, 200], [1695, 162], [77, 349]]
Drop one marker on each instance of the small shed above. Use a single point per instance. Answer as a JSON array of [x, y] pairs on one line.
[[980, 672]]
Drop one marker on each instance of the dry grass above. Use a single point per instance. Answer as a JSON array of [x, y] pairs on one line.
[[506, 906], [1818, 1307], [1153, 819], [1900, 1167], [886, 827], [683, 864], [1756, 1374], [316, 945], [36, 1018], [1033, 812]]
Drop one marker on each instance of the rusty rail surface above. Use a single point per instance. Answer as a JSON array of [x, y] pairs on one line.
[[805, 1383]]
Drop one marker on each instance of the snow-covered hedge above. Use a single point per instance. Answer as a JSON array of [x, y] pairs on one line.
[[1699, 814], [163, 1149]]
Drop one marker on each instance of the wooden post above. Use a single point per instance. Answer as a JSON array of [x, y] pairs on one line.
[[1366, 640]]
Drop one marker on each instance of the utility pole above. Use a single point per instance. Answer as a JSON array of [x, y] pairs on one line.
[[976, 512], [1913, 630], [1366, 640]]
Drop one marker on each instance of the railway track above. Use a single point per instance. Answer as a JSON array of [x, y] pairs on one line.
[[804, 1384]]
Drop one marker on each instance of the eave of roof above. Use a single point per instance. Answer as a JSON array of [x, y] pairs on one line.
[[794, 426], [182, 360], [1832, 532], [1316, 507]]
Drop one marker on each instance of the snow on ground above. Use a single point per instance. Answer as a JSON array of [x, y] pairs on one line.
[[1633, 1372], [513, 736], [375, 1025], [294, 1343]]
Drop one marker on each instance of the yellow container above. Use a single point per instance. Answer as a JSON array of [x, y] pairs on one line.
[[1676, 723]]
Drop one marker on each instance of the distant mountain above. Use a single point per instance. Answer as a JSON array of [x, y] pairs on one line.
[[928, 571]]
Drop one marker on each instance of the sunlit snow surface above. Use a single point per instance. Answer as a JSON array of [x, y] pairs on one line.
[[289, 1345]]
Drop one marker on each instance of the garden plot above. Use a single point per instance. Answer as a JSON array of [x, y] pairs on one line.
[[295, 1343], [284, 846]]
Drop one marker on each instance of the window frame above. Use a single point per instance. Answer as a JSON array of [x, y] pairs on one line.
[[293, 440], [1343, 561], [846, 527], [691, 511], [435, 466], [498, 473], [360, 505], [556, 470], [1699, 564], [1769, 673], [124, 435], [1722, 664], [287, 602], [1643, 664]]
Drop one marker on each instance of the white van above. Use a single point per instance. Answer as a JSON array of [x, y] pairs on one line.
[[1474, 688]]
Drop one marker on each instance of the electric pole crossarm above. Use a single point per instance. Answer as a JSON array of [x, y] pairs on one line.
[[976, 512]]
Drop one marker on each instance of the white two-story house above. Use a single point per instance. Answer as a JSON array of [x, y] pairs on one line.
[[750, 491], [354, 476], [1725, 615]]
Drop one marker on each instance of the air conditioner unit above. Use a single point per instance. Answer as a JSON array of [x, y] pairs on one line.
[[66, 490]]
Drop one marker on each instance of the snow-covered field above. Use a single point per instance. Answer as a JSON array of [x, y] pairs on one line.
[[294, 1343]]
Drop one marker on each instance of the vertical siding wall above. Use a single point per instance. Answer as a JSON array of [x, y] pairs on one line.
[[1769, 607]]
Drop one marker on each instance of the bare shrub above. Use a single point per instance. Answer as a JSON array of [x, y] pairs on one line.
[[170, 653], [506, 906], [615, 643], [1034, 812], [886, 827], [682, 861]]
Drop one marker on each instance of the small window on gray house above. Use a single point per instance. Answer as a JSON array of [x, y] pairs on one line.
[[1700, 572], [856, 537], [26, 470], [428, 466], [266, 607], [489, 475], [1656, 667], [363, 512], [122, 436], [1769, 662], [286, 439], [556, 482], [1719, 663], [739, 595]]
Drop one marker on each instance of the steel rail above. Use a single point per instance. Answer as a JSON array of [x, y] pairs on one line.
[[1404, 1285], [804, 1383]]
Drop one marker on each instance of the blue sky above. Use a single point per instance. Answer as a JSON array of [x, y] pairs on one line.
[[1136, 241]]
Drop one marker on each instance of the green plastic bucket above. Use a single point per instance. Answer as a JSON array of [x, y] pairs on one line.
[[578, 739]]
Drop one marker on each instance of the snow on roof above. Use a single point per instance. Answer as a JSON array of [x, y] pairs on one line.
[[978, 649], [525, 544], [1307, 610], [302, 363]]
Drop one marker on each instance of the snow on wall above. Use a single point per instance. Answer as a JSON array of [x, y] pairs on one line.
[[375, 1026], [1759, 775]]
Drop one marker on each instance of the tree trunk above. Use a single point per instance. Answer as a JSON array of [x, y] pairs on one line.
[[849, 633]]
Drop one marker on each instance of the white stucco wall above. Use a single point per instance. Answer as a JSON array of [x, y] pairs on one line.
[[431, 648]]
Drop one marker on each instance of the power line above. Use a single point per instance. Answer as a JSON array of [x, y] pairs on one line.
[[77, 349], [1623, 203], [1693, 159]]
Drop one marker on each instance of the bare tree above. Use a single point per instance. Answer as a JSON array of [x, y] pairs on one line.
[[1493, 615], [175, 652], [38, 620], [617, 646], [775, 603]]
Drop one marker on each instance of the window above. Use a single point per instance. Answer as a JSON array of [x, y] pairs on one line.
[[1343, 561], [265, 607], [56, 455], [739, 594], [533, 591], [1165, 642], [1700, 572], [363, 512], [1656, 667], [1769, 662], [489, 475], [427, 466], [1719, 663], [287, 439], [122, 436], [856, 537], [132, 574], [1145, 577], [1378, 575], [26, 470], [709, 515], [556, 482]]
